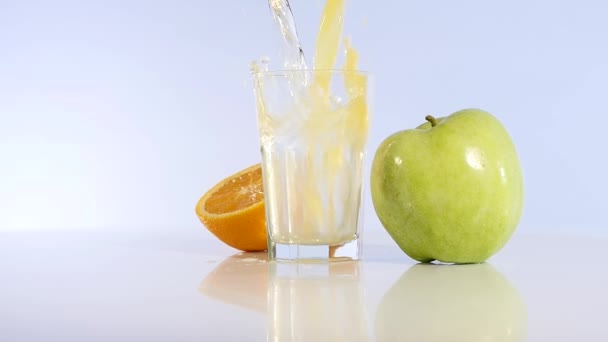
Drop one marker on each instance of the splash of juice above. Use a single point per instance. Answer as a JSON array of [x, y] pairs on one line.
[[315, 171]]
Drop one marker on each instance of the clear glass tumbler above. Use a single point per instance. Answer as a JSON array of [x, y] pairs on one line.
[[313, 127]]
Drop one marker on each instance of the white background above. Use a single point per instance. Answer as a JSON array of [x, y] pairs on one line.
[[121, 114]]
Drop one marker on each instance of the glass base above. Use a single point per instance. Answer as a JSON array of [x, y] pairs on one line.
[[314, 253]]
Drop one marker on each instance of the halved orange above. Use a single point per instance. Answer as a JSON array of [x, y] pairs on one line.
[[233, 210]]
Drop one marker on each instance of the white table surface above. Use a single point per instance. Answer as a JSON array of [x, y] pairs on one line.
[[151, 286]]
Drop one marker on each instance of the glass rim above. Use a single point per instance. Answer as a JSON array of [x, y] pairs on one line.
[[282, 72]]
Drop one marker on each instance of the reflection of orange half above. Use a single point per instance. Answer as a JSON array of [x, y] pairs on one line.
[[241, 280]]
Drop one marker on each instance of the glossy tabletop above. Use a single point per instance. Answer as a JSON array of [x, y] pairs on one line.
[[113, 286]]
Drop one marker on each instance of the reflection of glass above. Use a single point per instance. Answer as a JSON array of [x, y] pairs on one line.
[[316, 302], [241, 280], [451, 303], [312, 142]]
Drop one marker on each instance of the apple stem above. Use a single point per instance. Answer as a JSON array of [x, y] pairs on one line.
[[432, 120]]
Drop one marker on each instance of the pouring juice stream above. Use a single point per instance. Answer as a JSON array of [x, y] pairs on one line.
[[313, 150]]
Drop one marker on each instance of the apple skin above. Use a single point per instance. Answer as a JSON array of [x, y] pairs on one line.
[[451, 192]]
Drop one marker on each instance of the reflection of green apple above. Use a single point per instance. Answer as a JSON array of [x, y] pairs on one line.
[[449, 190], [451, 303]]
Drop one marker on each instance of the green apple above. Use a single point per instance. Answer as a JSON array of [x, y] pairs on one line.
[[450, 190], [451, 303]]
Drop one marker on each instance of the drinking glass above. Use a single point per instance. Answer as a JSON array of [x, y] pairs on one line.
[[313, 127]]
